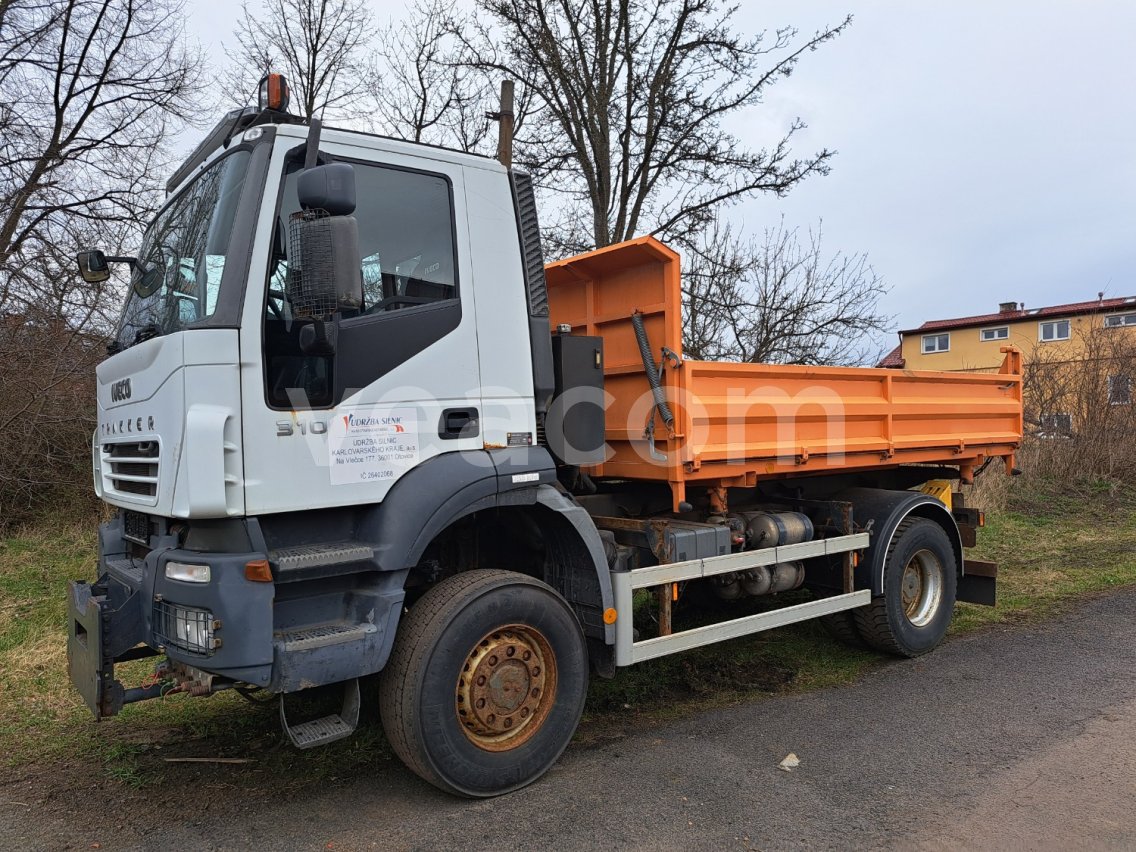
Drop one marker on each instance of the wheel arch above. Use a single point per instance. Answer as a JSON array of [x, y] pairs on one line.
[[886, 510], [556, 542], [432, 500]]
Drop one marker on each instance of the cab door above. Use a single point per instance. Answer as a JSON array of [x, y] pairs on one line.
[[402, 384]]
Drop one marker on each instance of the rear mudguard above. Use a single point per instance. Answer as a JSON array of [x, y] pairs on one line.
[[885, 511]]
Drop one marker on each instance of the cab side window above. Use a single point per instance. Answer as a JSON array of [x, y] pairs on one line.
[[406, 238], [406, 241]]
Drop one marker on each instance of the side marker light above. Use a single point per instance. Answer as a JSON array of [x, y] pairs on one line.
[[258, 571]]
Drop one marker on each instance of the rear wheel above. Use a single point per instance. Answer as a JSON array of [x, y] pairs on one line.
[[842, 627], [486, 683], [920, 582]]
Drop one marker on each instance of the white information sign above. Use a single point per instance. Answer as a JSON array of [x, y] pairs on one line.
[[372, 444]]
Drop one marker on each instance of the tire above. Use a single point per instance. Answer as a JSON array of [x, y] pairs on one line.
[[920, 583], [841, 626], [486, 683]]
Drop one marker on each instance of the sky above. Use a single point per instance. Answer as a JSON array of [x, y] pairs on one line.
[[986, 151]]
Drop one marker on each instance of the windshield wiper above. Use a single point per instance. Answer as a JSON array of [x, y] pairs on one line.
[[147, 331], [144, 333]]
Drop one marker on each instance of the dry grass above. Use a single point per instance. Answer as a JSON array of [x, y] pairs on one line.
[[1053, 547]]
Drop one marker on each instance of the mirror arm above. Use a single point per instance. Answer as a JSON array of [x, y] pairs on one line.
[[132, 261], [311, 147]]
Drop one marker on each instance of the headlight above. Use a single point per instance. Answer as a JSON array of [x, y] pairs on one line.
[[187, 573], [188, 628], [194, 630]]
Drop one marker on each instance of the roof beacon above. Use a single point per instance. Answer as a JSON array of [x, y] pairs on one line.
[[272, 93]]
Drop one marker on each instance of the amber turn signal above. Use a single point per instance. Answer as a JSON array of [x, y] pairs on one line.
[[609, 615], [258, 571]]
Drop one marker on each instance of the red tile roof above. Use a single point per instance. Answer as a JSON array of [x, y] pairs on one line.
[[893, 358], [1093, 307]]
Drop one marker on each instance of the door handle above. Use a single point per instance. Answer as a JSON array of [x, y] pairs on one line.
[[458, 423]]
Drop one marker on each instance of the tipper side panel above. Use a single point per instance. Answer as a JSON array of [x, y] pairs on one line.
[[763, 420], [737, 422]]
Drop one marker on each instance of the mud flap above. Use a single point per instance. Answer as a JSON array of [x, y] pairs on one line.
[[91, 671], [979, 584]]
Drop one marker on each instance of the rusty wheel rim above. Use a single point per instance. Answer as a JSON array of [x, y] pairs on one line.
[[921, 588], [506, 687]]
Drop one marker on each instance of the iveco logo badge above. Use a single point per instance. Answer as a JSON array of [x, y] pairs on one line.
[[120, 390]]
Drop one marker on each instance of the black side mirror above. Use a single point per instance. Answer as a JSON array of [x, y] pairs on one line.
[[324, 268], [93, 266], [330, 188]]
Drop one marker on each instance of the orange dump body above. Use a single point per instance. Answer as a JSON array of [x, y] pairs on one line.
[[735, 423]]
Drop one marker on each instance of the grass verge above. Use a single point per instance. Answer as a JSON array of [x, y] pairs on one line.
[[1051, 549]]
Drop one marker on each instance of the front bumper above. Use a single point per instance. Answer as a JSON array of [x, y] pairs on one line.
[[111, 621], [133, 611], [300, 629]]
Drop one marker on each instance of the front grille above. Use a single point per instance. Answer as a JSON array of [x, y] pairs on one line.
[[131, 468], [187, 628]]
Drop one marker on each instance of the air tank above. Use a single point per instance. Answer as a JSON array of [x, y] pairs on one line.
[[775, 529], [771, 579]]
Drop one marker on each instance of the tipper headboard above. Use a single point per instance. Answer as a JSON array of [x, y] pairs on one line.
[[598, 293]]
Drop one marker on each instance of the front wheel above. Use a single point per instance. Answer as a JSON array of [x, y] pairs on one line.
[[486, 683], [920, 583]]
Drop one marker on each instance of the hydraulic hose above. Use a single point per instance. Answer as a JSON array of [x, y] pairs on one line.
[[652, 370]]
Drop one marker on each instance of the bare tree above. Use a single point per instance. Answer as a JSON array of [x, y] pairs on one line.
[[317, 44], [1080, 405], [626, 129], [90, 88], [779, 300], [630, 101], [90, 91], [422, 90]]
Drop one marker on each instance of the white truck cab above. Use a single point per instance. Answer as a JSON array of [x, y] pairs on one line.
[[433, 342]]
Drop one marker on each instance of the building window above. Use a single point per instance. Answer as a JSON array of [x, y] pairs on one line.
[[1120, 390], [1118, 320], [1000, 333], [1055, 330], [1056, 424], [936, 343]]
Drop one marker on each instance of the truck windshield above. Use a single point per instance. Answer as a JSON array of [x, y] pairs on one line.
[[178, 277]]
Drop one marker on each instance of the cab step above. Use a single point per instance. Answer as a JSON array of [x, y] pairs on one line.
[[321, 654], [309, 638], [327, 559], [326, 729]]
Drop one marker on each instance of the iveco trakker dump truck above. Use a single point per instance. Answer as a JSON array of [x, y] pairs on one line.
[[352, 424]]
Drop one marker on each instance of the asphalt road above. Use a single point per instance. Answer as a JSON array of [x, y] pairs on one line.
[[1021, 737]]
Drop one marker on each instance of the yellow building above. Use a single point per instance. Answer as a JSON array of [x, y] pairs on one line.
[[974, 343], [1078, 357]]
